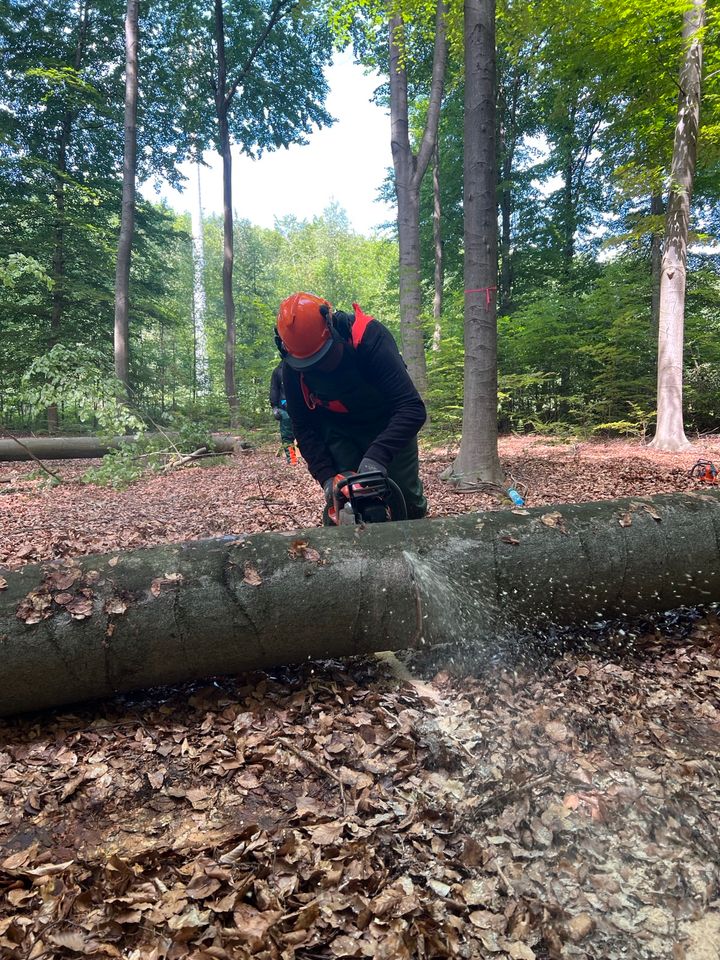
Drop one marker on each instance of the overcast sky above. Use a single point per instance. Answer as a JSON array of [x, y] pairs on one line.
[[346, 162]]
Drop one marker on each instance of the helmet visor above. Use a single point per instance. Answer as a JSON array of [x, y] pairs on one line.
[[303, 363]]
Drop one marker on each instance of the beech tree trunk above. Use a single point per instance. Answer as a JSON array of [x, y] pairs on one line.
[[478, 461], [60, 176], [657, 209], [80, 448], [114, 623], [439, 265], [127, 218], [222, 105], [409, 172], [670, 432]]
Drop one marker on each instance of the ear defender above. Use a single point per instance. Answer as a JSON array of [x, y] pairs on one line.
[[280, 345], [329, 320]]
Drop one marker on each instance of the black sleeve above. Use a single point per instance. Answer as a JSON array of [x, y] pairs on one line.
[[312, 446], [276, 386], [382, 364]]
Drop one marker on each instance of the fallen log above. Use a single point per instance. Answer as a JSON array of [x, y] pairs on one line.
[[81, 448], [105, 624]]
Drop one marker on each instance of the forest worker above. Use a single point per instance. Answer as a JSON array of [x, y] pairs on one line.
[[353, 406], [278, 405]]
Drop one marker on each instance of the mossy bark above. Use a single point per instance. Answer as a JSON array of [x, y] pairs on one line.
[[193, 610]]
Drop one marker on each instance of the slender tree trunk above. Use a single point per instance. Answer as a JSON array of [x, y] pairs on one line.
[[504, 293], [58, 260], [409, 172], [477, 461], [224, 92], [127, 220], [657, 209], [508, 144], [439, 274], [201, 370], [222, 106], [569, 215], [228, 263], [670, 433]]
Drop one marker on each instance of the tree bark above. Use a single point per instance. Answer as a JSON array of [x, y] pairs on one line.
[[127, 218], [81, 448], [409, 172], [509, 135], [137, 619], [222, 105], [224, 91], [439, 271], [670, 432], [478, 461], [657, 209], [58, 260]]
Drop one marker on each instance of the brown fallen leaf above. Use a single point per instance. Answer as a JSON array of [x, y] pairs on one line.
[[252, 577], [63, 579], [160, 582], [557, 731], [80, 608], [508, 539], [625, 520], [115, 606], [3, 583], [554, 520]]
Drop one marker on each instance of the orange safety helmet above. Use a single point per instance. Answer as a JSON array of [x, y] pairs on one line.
[[304, 329]]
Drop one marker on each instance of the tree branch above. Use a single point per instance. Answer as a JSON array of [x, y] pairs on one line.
[[280, 8], [432, 120]]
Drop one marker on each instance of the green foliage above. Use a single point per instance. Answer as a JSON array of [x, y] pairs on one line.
[[79, 377]]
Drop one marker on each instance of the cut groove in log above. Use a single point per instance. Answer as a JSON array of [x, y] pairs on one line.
[[81, 448], [171, 613]]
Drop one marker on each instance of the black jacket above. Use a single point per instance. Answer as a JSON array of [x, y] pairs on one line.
[[370, 390], [277, 391]]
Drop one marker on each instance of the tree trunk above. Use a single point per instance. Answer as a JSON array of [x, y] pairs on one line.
[[58, 260], [670, 433], [657, 209], [478, 461], [81, 448], [409, 172], [222, 105], [107, 624], [201, 369], [507, 147], [127, 219], [439, 273]]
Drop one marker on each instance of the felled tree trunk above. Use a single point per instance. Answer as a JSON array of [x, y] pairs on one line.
[[172, 613], [79, 448]]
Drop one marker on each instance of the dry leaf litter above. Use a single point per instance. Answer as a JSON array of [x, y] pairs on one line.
[[558, 800]]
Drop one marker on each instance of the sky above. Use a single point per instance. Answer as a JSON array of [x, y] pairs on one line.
[[346, 163]]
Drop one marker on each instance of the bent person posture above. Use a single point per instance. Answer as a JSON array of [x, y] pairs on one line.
[[353, 406], [278, 405]]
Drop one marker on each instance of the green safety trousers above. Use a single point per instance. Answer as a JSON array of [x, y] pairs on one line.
[[286, 428]]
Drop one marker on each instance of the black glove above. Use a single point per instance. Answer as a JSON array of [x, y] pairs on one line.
[[277, 413], [371, 466]]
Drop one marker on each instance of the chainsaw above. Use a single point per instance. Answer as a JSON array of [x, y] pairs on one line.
[[365, 498], [704, 471]]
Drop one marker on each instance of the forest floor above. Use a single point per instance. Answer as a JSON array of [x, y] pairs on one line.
[[563, 803]]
